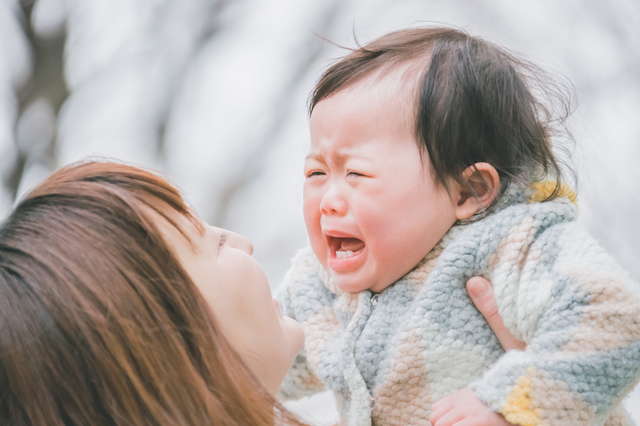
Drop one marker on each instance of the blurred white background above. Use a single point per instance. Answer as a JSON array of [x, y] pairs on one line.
[[213, 93]]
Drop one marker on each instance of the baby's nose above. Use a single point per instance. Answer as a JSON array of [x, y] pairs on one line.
[[333, 203]]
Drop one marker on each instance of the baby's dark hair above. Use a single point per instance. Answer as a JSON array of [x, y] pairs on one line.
[[476, 102]]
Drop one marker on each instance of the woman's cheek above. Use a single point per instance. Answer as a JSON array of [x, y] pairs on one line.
[[294, 335]]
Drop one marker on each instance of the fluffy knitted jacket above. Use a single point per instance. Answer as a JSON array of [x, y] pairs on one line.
[[388, 356]]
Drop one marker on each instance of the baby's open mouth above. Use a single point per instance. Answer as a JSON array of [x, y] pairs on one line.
[[345, 247]]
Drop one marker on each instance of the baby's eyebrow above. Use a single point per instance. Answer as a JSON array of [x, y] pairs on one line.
[[340, 158], [314, 156]]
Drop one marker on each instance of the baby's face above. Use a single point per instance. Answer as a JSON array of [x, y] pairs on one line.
[[371, 206]]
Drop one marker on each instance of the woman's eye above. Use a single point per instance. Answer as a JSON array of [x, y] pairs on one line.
[[221, 243]]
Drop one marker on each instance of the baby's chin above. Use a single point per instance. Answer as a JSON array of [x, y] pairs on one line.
[[352, 285]]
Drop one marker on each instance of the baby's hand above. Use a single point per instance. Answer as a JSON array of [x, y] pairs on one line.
[[463, 408]]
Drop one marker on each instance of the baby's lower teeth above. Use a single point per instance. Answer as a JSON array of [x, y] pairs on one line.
[[341, 254]]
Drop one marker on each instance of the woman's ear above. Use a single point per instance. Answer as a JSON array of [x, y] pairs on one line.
[[482, 187]]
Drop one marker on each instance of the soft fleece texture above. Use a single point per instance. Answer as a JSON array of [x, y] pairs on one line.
[[387, 357]]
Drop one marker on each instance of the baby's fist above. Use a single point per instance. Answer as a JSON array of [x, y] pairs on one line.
[[463, 408]]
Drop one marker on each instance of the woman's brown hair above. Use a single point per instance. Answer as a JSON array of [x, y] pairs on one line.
[[100, 324]]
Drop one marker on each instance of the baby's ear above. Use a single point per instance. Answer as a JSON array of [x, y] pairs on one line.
[[482, 187]]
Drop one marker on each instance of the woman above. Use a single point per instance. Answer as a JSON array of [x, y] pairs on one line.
[[118, 306]]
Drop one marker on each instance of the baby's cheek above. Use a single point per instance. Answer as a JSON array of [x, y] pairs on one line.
[[381, 233], [379, 223], [314, 232], [317, 240], [311, 198], [312, 215]]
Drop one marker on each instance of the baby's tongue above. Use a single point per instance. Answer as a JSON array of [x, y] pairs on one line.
[[351, 244]]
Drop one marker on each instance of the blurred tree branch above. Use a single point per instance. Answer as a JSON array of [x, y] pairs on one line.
[[46, 82]]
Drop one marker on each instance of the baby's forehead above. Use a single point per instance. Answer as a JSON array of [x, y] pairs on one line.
[[398, 84], [395, 87]]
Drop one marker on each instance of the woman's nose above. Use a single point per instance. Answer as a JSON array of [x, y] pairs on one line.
[[333, 202], [239, 242]]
